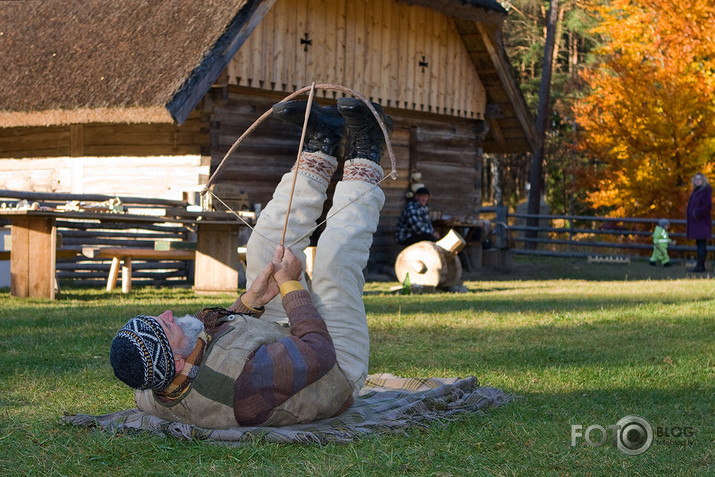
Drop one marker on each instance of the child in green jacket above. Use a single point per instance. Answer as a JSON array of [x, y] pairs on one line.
[[660, 244]]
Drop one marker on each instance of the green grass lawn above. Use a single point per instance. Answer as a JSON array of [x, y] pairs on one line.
[[605, 342]]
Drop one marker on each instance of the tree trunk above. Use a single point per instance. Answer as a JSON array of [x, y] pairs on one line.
[[542, 120], [573, 54], [496, 183], [557, 39]]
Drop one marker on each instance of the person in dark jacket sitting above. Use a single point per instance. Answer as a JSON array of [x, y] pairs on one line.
[[699, 218], [242, 366]]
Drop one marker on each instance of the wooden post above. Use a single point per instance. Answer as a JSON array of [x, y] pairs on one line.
[[113, 274], [33, 259], [217, 261], [126, 274]]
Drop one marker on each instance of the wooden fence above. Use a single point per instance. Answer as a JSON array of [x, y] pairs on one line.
[[588, 236]]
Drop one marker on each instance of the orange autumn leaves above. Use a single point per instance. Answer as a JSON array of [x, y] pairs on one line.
[[649, 121]]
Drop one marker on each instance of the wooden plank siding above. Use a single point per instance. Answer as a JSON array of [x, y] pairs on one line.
[[158, 160], [94, 269], [376, 49], [156, 176], [106, 139], [37, 142]]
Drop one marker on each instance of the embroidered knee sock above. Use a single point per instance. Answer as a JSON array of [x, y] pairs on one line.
[[363, 170], [317, 166]]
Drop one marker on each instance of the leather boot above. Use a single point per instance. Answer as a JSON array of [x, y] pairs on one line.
[[699, 266], [367, 140], [326, 128]]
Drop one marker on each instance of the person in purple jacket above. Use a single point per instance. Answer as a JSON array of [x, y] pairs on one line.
[[699, 219]]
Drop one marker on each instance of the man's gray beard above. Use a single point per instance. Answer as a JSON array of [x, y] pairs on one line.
[[191, 327]]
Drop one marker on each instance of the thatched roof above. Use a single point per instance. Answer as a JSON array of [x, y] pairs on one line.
[[80, 61]]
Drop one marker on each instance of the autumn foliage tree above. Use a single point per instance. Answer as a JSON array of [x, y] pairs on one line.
[[648, 122]]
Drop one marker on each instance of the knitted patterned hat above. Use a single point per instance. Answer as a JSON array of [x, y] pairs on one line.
[[141, 356]]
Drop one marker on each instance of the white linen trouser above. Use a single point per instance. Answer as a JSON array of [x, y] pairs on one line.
[[342, 253]]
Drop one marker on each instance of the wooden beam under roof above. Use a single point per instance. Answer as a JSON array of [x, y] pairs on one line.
[[511, 87], [497, 77]]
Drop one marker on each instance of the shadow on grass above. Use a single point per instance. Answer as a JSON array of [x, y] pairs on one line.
[[89, 293]]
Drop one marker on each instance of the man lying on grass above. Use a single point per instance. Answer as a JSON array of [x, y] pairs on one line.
[[239, 366]]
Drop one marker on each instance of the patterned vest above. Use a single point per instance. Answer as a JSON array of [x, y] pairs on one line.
[[209, 401]]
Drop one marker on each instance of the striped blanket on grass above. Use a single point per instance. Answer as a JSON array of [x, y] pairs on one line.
[[386, 404]]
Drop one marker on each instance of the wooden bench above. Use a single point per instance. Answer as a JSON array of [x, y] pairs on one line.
[[60, 254], [124, 255]]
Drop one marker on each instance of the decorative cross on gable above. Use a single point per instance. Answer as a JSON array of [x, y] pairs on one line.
[[423, 64], [306, 41]]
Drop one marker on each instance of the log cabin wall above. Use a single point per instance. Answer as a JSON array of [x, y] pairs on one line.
[[443, 148], [445, 151], [146, 160]]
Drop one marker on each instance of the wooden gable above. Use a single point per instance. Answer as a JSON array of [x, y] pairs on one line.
[[401, 56]]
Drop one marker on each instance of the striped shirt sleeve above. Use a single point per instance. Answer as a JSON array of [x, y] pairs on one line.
[[277, 371]]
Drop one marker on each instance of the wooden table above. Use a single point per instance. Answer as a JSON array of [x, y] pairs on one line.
[[34, 241], [470, 231], [473, 232]]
